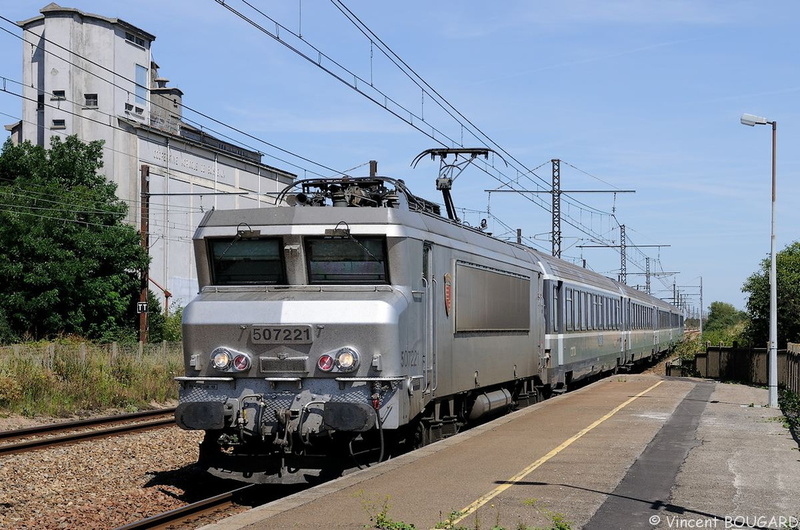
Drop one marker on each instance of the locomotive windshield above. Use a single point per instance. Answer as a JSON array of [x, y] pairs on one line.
[[237, 261], [355, 260]]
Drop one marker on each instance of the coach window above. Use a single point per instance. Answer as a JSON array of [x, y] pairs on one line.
[[601, 321], [347, 260], [236, 261], [595, 311], [554, 310], [568, 311], [587, 311], [584, 311], [598, 311]]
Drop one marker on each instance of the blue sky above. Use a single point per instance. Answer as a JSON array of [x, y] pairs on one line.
[[641, 95]]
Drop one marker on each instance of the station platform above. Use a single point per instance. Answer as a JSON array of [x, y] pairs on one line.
[[630, 451]]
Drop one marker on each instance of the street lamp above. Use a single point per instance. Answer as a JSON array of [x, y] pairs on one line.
[[749, 119]]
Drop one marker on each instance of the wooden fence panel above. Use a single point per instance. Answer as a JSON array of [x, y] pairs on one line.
[[749, 365]]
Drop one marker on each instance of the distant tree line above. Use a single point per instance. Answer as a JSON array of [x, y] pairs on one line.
[[787, 267], [751, 327]]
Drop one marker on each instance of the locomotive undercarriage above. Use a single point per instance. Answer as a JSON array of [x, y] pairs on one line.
[[294, 432], [448, 416], [275, 431]]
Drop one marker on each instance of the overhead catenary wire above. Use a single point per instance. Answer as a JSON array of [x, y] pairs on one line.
[[443, 103], [279, 35], [184, 107]]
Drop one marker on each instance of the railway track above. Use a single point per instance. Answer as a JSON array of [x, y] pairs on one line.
[[217, 507], [40, 437], [188, 516]]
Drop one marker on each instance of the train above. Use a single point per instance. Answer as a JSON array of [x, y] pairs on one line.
[[354, 321]]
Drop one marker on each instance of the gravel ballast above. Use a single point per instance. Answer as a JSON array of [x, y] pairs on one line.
[[101, 483]]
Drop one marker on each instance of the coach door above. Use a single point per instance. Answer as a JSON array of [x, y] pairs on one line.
[[430, 288]]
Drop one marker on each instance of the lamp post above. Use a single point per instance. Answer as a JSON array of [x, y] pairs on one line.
[[749, 119]]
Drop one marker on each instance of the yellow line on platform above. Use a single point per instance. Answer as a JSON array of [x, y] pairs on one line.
[[529, 469]]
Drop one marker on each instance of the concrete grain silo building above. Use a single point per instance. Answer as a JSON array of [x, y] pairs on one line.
[[94, 76]]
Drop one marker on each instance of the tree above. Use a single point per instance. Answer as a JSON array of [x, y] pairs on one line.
[[788, 288], [723, 316], [69, 264]]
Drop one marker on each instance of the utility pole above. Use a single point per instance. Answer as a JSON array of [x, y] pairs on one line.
[[556, 208], [623, 250], [701, 306], [623, 256], [141, 306], [144, 214], [677, 293], [556, 193]]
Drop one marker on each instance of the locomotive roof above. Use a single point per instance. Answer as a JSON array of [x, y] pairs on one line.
[[371, 203], [571, 272]]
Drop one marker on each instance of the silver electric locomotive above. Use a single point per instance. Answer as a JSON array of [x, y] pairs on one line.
[[356, 321]]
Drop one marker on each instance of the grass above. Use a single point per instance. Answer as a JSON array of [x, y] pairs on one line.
[[69, 378], [379, 519]]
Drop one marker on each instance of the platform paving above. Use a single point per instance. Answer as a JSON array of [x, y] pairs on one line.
[[633, 451]]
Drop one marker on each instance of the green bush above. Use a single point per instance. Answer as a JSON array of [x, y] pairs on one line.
[[789, 402]]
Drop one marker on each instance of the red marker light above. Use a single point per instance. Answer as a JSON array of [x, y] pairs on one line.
[[241, 362], [325, 363]]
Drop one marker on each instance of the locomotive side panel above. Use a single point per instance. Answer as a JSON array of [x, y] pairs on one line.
[[489, 323]]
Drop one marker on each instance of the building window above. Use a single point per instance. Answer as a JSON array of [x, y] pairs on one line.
[[141, 85], [59, 124], [134, 39], [128, 107], [139, 110], [91, 100], [58, 95], [40, 102]]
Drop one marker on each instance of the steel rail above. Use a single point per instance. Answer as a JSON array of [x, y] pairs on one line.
[[65, 426], [170, 518], [84, 434]]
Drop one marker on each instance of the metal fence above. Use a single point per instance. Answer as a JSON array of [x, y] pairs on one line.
[[745, 365]]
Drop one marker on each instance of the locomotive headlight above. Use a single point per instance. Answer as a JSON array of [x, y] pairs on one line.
[[221, 358], [347, 359]]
